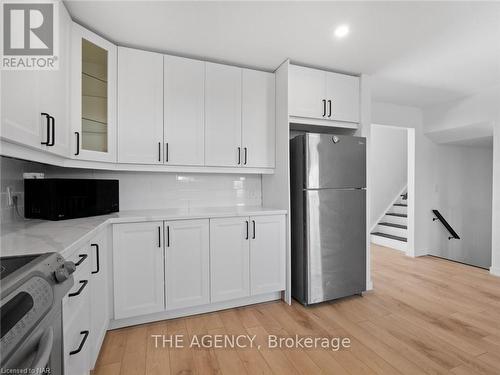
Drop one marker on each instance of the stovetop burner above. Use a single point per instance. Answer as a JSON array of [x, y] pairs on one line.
[[11, 264]]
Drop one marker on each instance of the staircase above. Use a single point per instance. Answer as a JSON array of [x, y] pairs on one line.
[[391, 230]]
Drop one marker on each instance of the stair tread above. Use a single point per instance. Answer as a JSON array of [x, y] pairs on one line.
[[392, 237], [395, 214], [394, 225], [400, 205]]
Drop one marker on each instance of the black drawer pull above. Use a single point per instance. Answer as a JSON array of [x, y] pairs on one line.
[[52, 121], [82, 343], [84, 284], [253, 225], [246, 238], [47, 116], [96, 257], [77, 144], [82, 258]]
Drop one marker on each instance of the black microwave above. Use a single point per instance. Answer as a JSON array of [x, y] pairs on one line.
[[62, 198]]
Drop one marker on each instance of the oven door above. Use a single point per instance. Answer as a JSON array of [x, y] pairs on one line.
[[42, 349]]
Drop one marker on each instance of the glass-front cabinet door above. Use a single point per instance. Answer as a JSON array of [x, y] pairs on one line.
[[94, 96]]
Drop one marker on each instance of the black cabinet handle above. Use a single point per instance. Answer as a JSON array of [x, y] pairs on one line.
[[168, 235], [245, 162], [239, 155], [82, 258], [84, 284], [52, 121], [246, 238], [166, 152], [77, 143], [82, 343], [47, 116], [159, 236], [324, 107], [329, 108], [159, 151], [253, 226], [96, 257]]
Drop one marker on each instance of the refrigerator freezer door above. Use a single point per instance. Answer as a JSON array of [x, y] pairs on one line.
[[335, 161], [336, 243]]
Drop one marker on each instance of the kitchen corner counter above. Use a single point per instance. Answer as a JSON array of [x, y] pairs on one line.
[[41, 236]]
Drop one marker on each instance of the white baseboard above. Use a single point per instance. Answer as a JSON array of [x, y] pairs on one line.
[[389, 242], [495, 271], [369, 285], [120, 323]]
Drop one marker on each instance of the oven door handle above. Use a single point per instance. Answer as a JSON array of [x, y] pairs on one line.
[[44, 349]]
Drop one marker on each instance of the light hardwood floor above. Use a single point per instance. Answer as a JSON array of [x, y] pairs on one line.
[[424, 316]]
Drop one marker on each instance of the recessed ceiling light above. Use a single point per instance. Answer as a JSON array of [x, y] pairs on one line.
[[341, 31]]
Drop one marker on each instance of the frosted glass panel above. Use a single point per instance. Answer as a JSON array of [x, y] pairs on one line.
[[94, 97]]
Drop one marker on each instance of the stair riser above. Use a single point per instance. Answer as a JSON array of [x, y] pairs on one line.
[[392, 230], [399, 209], [388, 242], [395, 219]]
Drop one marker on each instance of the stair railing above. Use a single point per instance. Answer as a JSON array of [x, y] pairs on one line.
[[454, 235]]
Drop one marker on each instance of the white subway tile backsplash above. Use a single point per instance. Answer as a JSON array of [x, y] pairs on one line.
[[148, 190]]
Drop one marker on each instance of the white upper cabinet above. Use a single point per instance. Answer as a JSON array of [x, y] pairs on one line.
[[229, 258], [140, 106], [22, 121], [35, 103], [222, 115], [267, 254], [321, 95], [184, 106], [187, 263], [258, 119], [342, 93], [307, 92], [138, 269], [93, 109]]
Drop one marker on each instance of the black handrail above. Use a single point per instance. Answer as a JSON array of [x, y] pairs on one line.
[[448, 227]]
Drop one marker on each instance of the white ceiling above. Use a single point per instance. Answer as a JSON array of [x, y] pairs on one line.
[[419, 53]]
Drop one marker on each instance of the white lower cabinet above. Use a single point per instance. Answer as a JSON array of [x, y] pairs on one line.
[[187, 263], [99, 296], [229, 258], [166, 266], [76, 316], [267, 254], [77, 343], [138, 269]]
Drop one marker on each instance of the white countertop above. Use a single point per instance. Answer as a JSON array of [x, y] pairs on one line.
[[41, 236]]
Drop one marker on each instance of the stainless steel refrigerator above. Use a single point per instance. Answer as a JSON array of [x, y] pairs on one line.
[[328, 216]]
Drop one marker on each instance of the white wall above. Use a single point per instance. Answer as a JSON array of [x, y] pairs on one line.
[[412, 117], [146, 190], [463, 183], [482, 109], [388, 163]]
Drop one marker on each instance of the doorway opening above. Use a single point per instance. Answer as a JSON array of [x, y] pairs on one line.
[[392, 187]]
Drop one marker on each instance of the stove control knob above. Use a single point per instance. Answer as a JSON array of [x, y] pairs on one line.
[[61, 275], [70, 267]]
